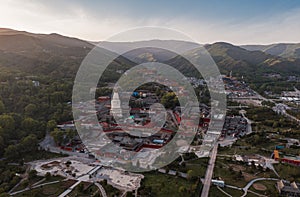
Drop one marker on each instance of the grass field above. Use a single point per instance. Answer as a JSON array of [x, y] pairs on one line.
[[163, 185], [288, 172], [230, 172], [52, 190], [214, 191], [270, 188], [23, 185], [197, 165]]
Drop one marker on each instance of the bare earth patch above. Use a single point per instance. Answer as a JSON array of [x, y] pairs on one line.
[[259, 187], [237, 168], [248, 177]]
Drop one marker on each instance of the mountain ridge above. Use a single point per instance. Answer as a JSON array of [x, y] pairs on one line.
[[61, 56], [286, 50]]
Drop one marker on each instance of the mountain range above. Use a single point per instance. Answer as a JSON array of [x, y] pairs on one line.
[[281, 49], [60, 56]]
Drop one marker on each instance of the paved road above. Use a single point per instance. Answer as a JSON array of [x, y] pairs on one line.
[[65, 193], [49, 145], [253, 181], [23, 190], [103, 193], [223, 192], [124, 194], [281, 109], [48, 141], [269, 164], [246, 188], [234, 187], [24, 177], [39, 182], [69, 190], [249, 127], [257, 194], [209, 172], [84, 177]]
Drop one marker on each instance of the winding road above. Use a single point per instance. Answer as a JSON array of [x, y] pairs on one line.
[[101, 189], [246, 188]]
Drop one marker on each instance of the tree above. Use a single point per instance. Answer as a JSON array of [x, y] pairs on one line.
[[30, 109], [240, 175], [275, 124], [4, 194], [28, 144], [2, 144], [182, 189], [194, 187], [7, 122], [104, 182], [58, 136], [32, 174], [12, 152], [70, 133], [170, 100], [30, 125], [51, 125], [25, 183], [190, 174], [80, 187], [2, 107], [129, 194]]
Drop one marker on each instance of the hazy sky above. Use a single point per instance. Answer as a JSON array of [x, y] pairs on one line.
[[235, 21]]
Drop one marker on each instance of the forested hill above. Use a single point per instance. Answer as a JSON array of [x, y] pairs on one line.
[[251, 63], [52, 54], [287, 50], [59, 56]]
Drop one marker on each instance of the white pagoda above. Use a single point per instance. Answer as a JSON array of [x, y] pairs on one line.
[[116, 105]]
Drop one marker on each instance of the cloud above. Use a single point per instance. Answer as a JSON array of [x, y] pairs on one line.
[[82, 21]]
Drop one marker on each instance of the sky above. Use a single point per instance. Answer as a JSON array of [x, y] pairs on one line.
[[235, 21]]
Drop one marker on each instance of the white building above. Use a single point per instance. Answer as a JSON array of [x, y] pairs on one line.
[[116, 105]]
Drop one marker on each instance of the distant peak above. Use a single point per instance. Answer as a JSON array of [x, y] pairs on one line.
[[223, 43], [54, 34], [6, 29]]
